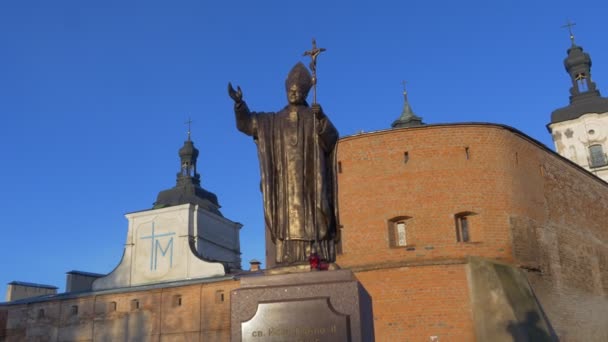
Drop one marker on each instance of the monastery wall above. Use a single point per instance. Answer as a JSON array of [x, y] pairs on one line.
[[179, 313], [559, 224]]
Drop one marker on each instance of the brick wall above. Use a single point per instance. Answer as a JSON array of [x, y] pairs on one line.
[[532, 209], [3, 317], [559, 224], [449, 170], [180, 313], [417, 303]]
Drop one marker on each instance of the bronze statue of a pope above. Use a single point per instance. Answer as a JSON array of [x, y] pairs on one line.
[[296, 154]]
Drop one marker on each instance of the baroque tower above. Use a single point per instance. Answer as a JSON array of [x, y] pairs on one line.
[[580, 130], [184, 235]]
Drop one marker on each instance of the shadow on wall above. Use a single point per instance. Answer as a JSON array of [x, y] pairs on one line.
[[529, 329], [504, 305]]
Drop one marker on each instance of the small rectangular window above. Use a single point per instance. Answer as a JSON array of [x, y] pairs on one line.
[[135, 304], [219, 296], [597, 156], [399, 232], [462, 228], [112, 306], [41, 313], [74, 310], [177, 300], [401, 236]]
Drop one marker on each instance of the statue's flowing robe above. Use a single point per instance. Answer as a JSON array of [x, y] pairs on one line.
[[297, 179]]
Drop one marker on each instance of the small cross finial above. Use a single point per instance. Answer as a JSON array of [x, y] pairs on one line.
[[404, 91], [569, 25], [189, 123]]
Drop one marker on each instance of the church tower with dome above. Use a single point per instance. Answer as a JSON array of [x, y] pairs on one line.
[[580, 129]]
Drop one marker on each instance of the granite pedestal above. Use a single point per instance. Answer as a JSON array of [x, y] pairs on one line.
[[310, 306]]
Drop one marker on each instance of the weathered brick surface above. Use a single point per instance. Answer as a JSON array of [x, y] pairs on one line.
[[180, 311], [450, 170], [16, 323], [3, 318], [200, 317], [215, 308], [533, 209], [560, 231], [416, 303], [43, 321]]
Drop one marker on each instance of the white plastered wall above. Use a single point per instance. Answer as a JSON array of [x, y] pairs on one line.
[[572, 139], [157, 247]]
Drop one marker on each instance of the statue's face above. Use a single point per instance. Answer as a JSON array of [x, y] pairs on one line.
[[295, 95]]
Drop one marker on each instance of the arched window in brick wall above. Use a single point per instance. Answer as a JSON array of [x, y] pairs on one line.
[[400, 231], [463, 226]]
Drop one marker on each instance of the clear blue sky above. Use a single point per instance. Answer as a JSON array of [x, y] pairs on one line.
[[94, 96]]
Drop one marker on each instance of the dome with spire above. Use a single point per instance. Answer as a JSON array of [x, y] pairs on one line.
[[188, 186], [188, 150], [407, 117], [584, 96]]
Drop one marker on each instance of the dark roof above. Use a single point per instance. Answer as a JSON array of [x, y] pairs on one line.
[[188, 193], [188, 186], [71, 295], [23, 283], [86, 274], [591, 104], [407, 117], [585, 98]]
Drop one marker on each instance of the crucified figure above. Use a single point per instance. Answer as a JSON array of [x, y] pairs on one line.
[[314, 53]]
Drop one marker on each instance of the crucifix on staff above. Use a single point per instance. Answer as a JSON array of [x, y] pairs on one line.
[[314, 53]]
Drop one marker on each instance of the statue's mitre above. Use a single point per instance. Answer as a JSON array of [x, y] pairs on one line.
[[300, 76]]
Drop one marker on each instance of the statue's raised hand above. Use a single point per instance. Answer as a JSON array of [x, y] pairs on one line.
[[236, 95]]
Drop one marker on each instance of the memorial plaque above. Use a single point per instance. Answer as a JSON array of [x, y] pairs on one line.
[[301, 307], [310, 320]]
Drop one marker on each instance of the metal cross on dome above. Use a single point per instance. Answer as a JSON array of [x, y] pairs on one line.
[[569, 25], [189, 123]]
